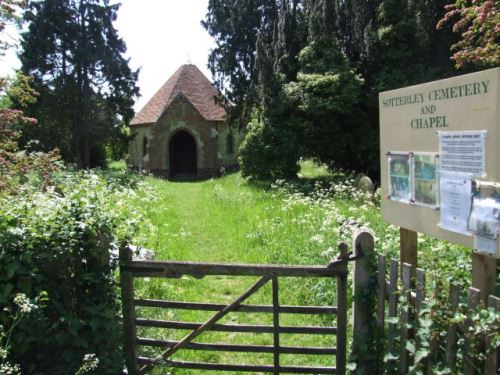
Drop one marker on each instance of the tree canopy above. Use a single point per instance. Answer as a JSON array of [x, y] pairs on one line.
[[478, 23], [87, 88], [331, 58]]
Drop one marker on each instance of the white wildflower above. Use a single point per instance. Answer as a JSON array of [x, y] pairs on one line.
[[90, 363], [9, 369], [24, 303], [318, 238]]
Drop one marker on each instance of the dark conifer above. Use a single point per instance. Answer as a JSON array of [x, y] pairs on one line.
[[76, 56]]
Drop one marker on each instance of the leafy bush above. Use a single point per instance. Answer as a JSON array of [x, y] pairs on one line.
[[64, 241], [269, 152]]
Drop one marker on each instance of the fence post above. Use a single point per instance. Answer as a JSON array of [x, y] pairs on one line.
[[340, 356], [128, 311], [365, 302]]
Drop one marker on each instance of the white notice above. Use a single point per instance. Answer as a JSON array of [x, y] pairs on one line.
[[456, 193], [462, 152], [485, 245]]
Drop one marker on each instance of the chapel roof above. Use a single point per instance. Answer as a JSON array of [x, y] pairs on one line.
[[189, 81]]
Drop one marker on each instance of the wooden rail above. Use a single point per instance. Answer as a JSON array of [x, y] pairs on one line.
[[200, 270], [136, 364]]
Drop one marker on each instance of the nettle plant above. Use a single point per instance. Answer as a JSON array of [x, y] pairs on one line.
[[64, 241]]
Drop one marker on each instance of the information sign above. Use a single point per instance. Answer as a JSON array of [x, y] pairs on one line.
[[437, 140]]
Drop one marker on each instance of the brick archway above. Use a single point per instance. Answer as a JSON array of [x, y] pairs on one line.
[[183, 155]]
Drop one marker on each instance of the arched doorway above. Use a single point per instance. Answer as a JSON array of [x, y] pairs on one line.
[[182, 153]]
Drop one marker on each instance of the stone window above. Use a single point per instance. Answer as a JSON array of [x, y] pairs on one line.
[[144, 146], [229, 143]]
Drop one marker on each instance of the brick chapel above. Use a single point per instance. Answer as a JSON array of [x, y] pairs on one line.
[[182, 131]]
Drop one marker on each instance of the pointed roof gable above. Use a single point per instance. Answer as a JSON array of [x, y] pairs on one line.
[[198, 90]]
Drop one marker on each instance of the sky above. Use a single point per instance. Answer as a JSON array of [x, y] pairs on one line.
[[161, 35]]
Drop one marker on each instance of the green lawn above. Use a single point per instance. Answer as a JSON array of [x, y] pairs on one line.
[[230, 220]]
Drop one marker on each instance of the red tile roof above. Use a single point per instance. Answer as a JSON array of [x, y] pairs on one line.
[[189, 81]]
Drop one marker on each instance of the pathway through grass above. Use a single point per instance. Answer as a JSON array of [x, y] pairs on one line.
[[226, 220]]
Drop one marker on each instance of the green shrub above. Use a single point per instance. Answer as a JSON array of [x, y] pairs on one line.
[[270, 152], [64, 241]]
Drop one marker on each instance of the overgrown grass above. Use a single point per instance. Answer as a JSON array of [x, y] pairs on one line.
[[230, 220]]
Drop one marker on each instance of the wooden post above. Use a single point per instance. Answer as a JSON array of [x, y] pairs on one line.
[[393, 305], [408, 245], [469, 362], [128, 311], [276, 325], [364, 312], [451, 337], [491, 362], [404, 358], [484, 275], [341, 355]]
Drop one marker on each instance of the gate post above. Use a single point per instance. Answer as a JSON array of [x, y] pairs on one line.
[[128, 311], [340, 361], [364, 348]]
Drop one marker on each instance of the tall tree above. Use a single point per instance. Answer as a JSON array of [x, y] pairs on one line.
[[76, 56], [289, 38], [235, 25], [478, 23], [326, 95]]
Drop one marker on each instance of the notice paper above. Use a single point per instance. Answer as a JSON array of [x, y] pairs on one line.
[[485, 245], [462, 152], [455, 193], [485, 217]]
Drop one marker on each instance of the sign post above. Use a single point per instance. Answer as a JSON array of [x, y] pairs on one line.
[[408, 245], [440, 170]]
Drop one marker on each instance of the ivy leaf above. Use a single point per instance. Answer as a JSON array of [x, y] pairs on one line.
[[391, 357], [410, 347], [351, 366], [392, 320], [421, 354]]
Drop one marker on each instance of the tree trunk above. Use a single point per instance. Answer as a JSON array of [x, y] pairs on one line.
[[83, 153]]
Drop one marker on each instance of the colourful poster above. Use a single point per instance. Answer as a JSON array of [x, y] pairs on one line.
[[425, 180], [399, 177]]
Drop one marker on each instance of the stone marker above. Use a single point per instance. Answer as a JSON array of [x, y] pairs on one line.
[[366, 184]]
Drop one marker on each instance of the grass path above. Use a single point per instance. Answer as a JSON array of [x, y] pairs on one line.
[[222, 220]]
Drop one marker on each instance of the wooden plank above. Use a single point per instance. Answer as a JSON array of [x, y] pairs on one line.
[[200, 270], [434, 340], [484, 275], [494, 302], [241, 368], [393, 305], [276, 326], [242, 308], [210, 322], [404, 359], [238, 348], [408, 245], [341, 356], [235, 327], [473, 301], [419, 289], [381, 294], [491, 362], [451, 335], [128, 311], [419, 300]]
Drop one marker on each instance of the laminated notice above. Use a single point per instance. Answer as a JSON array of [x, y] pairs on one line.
[[455, 193], [463, 152]]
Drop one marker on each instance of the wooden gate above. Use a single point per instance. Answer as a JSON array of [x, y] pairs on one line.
[[130, 269]]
